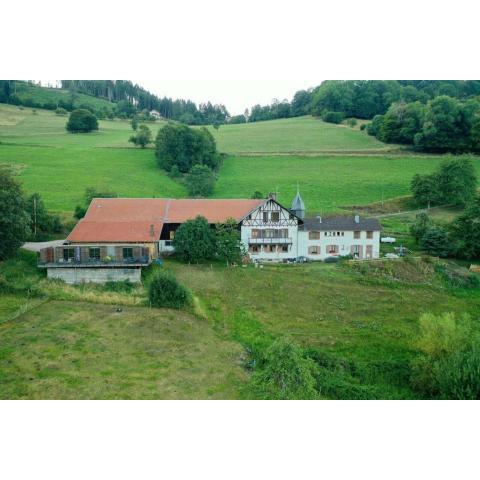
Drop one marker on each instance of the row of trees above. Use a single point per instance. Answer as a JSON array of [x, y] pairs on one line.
[[362, 98], [460, 239], [444, 124], [131, 99], [453, 183], [22, 218], [191, 153]]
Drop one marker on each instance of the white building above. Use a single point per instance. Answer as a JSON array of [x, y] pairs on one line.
[[119, 236], [273, 233]]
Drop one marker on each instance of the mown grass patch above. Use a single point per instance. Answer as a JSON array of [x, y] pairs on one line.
[[72, 350]]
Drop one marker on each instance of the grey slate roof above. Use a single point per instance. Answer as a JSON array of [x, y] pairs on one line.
[[341, 223], [298, 203]]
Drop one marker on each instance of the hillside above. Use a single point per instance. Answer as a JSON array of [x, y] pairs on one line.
[[334, 165], [43, 96]]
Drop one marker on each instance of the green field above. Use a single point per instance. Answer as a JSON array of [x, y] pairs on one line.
[[72, 342], [60, 165], [293, 135]]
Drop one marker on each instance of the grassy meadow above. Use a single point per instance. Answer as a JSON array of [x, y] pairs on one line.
[[60, 341], [335, 165]]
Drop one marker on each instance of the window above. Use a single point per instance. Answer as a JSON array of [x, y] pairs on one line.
[[284, 248], [369, 252], [265, 217], [343, 233], [356, 234], [254, 249], [275, 216], [94, 253], [332, 249], [326, 234], [292, 216], [256, 233], [314, 235], [127, 253], [370, 235], [68, 254], [314, 250], [270, 248], [172, 234]]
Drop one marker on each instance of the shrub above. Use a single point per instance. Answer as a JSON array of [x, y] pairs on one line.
[[200, 181], [82, 121], [457, 277], [351, 122], [333, 117], [363, 126], [165, 291], [458, 377], [287, 374], [61, 111]]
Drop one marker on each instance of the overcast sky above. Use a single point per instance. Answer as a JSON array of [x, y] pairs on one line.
[[235, 95]]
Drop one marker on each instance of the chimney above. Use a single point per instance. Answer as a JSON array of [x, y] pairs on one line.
[[319, 218], [152, 231], [272, 195], [357, 218]]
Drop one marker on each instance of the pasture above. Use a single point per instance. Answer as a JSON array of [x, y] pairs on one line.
[[72, 342]]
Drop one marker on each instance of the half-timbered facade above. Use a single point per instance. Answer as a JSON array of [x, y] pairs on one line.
[[118, 234]]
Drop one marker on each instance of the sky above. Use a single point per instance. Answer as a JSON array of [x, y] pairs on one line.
[[236, 95]]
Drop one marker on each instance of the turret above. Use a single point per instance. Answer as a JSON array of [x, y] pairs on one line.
[[298, 205]]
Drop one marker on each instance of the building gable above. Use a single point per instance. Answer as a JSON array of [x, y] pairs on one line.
[[270, 213]]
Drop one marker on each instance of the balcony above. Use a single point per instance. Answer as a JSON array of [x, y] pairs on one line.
[[270, 241], [96, 263]]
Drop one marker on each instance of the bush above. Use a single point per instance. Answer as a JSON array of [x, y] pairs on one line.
[[333, 117], [61, 111], [200, 181], [165, 291], [363, 126], [287, 374], [351, 122], [82, 121], [458, 377]]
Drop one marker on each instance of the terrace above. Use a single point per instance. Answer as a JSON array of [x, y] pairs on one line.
[[88, 256]]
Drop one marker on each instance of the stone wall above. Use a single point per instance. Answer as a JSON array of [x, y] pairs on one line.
[[95, 275]]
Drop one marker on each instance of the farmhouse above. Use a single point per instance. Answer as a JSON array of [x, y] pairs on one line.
[[118, 236]]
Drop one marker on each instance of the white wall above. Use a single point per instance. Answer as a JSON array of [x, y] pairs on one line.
[[344, 243], [95, 275]]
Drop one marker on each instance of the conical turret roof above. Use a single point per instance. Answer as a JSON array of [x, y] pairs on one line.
[[298, 203]]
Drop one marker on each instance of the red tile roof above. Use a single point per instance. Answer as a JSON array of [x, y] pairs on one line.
[[131, 219]]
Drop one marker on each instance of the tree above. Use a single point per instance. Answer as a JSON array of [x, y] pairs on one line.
[[466, 231], [216, 125], [457, 181], [134, 123], [89, 195], [184, 146], [257, 194], [287, 375], [425, 190], [165, 291], [13, 218], [142, 138], [435, 242], [41, 224], [445, 127], [125, 109], [227, 241], [194, 241], [82, 121], [200, 181], [422, 223]]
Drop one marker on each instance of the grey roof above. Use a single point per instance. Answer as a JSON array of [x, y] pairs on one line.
[[298, 203], [341, 223]]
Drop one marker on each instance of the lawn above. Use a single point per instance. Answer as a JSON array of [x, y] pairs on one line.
[[326, 182], [294, 135], [72, 350]]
